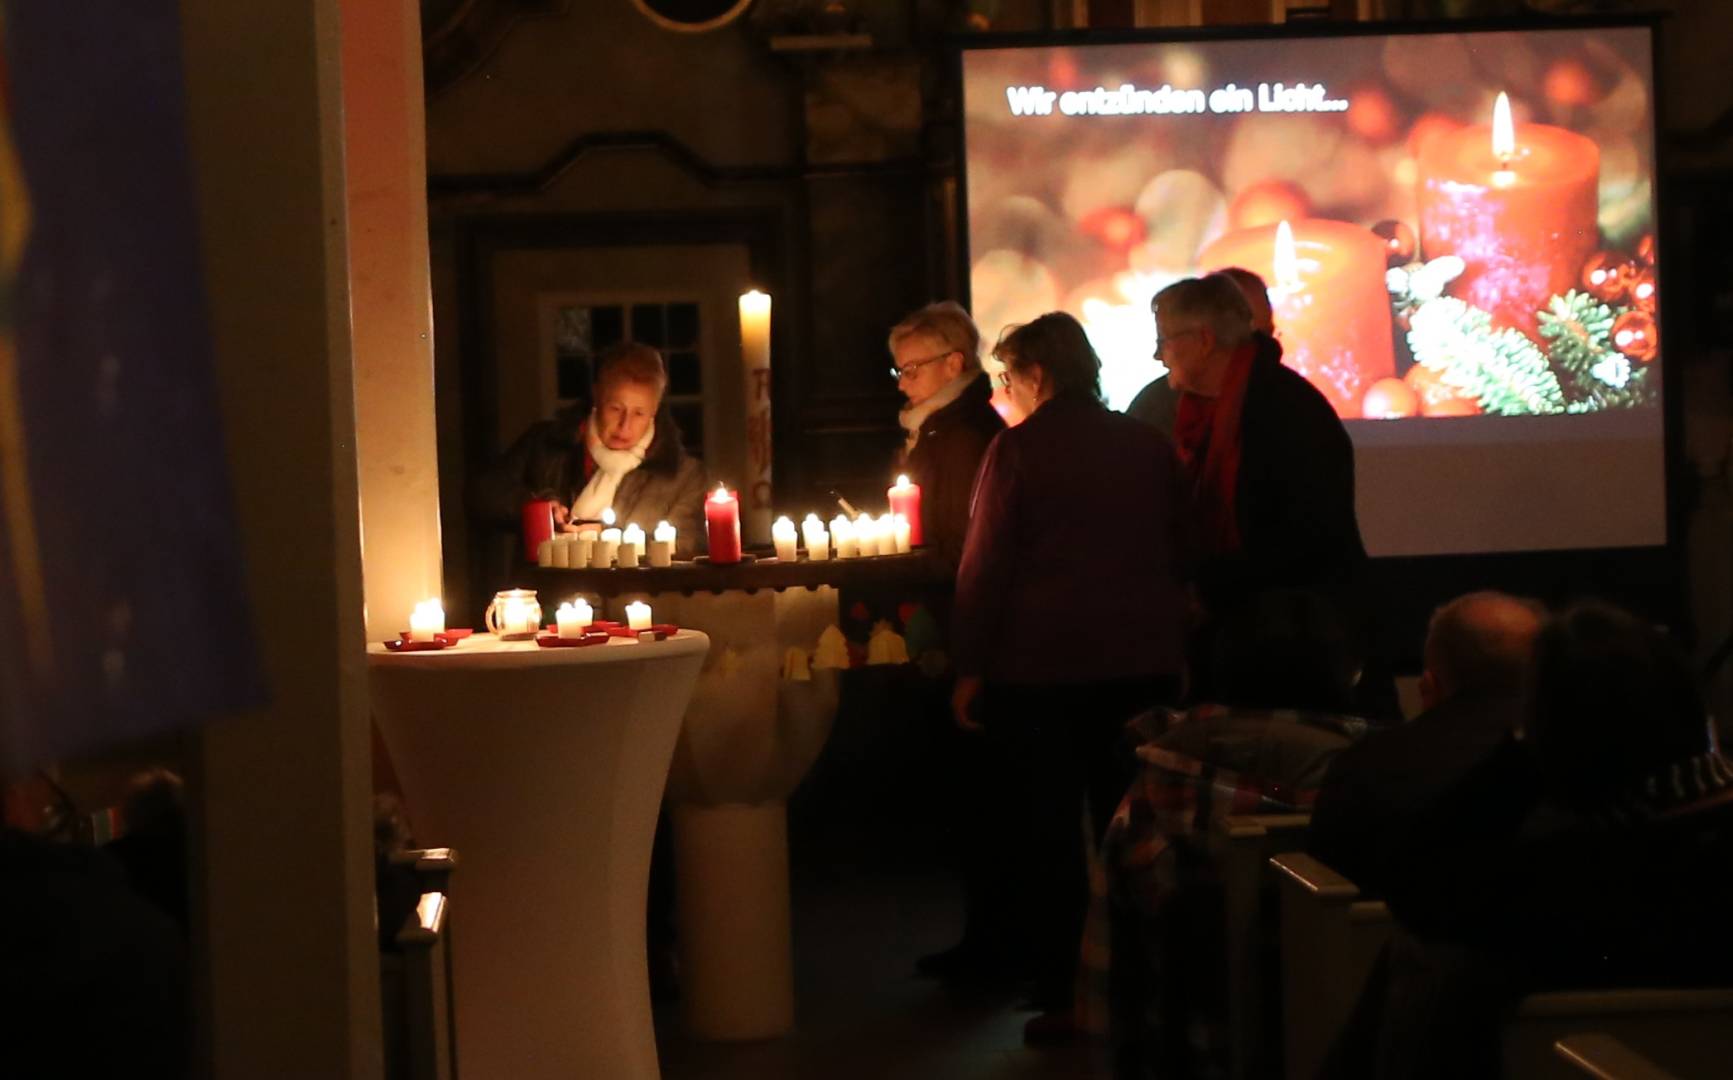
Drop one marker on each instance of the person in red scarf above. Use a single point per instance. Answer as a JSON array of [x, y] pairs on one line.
[[1266, 460]]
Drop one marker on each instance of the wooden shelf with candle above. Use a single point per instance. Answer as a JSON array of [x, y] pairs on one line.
[[915, 568]]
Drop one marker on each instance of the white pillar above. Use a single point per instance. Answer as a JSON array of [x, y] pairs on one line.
[[285, 955], [390, 307]]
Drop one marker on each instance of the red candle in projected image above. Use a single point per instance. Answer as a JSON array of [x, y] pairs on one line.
[[1519, 204], [722, 520], [1332, 311]]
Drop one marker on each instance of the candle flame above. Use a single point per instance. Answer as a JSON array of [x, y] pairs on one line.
[[902, 480], [721, 494], [1503, 130], [608, 516], [661, 525], [1286, 258]]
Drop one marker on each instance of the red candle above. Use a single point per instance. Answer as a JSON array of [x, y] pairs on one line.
[[1519, 204], [906, 500], [722, 518], [1332, 310]]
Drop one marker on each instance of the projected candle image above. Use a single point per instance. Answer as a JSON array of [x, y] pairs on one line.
[[1469, 215]]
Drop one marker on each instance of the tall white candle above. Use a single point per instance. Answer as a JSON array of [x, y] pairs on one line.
[[561, 555], [842, 535], [662, 545], [783, 536], [817, 540], [545, 552], [866, 534], [427, 620], [637, 615], [900, 529], [573, 617], [755, 490], [631, 546]]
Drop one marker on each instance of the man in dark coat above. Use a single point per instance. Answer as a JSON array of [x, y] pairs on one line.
[[1364, 824], [1269, 466], [623, 454]]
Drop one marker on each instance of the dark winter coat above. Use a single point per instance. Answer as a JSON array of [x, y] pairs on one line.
[[944, 462], [548, 462]]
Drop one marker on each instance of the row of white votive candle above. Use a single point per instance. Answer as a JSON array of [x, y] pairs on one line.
[[574, 551], [887, 534], [574, 617]]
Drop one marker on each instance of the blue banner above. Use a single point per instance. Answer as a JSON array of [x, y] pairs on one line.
[[123, 607]]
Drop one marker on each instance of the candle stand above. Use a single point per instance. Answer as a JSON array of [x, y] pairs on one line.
[[545, 768], [749, 737]]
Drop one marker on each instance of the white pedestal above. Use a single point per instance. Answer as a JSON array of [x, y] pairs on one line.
[[737, 979], [544, 768]]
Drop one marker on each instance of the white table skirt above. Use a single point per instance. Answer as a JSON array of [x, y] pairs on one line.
[[544, 768]]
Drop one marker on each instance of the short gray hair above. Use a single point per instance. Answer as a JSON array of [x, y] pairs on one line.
[[1213, 301], [947, 323], [1482, 643]]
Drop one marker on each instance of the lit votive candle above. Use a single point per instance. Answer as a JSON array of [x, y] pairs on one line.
[[573, 617], [602, 555], [517, 618], [842, 535], [662, 545], [866, 535], [902, 530], [783, 536], [817, 540], [637, 615], [427, 620], [631, 546]]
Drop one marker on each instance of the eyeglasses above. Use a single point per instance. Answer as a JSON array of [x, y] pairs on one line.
[[1161, 346], [909, 369], [1002, 379]]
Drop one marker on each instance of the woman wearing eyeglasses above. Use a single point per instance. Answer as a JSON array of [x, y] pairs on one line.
[[1069, 620], [948, 420]]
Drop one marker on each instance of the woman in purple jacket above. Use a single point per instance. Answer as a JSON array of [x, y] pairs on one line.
[[1069, 619]]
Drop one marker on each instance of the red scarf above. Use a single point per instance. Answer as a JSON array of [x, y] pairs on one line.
[[1206, 433]]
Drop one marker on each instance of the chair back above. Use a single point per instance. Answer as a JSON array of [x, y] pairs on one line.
[[1241, 846], [1685, 1032]]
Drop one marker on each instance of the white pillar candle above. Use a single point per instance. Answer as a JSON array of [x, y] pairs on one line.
[[561, 556], [637, 615], [662, 545], [516, 618], [545, 552], [426, 620], [900, 529], [631, 548], [817, 540], [783, 536], [581, 546], [573, 617], [755, 490], [866, 535], [842, 535], [602, 555]]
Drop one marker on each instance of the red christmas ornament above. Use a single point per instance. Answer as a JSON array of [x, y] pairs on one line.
[[1604, 276], [1437, 398], [1118, 228], [1646, 249], [1399, 242], [1373, 116], [1267, 202], [1644, 290], [1635, 335], [1389, 399]]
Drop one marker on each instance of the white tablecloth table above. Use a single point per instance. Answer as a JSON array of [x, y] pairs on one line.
[[544, 768]]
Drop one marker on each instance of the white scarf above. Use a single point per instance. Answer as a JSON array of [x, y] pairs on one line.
[[913, 416], [611, 467]]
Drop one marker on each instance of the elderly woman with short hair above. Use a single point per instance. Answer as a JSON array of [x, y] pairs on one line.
[[949, 419], [623, 453], [1070, 617]]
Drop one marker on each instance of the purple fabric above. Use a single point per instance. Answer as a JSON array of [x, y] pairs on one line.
[[1071, 570], [123, 606]]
